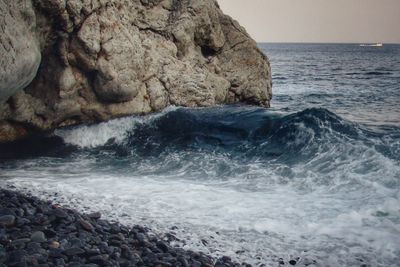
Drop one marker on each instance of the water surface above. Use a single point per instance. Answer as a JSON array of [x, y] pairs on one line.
[[316, 178]]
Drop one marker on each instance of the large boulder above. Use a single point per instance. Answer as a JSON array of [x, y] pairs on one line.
[[19, 49], [103, 59]]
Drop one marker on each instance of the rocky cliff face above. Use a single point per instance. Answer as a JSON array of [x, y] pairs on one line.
[[66, 62]]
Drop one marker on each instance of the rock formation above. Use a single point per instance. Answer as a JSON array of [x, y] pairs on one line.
[[65, 62]]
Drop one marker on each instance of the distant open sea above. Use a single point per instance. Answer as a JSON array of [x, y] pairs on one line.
[[315, 179]]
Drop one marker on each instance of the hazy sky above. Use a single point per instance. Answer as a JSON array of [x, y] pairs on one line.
[[360, 21]]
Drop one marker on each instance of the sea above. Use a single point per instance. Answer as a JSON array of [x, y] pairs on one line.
[[314, 180]]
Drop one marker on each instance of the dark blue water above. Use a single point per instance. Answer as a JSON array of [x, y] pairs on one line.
[[316, 178], [358, 83]]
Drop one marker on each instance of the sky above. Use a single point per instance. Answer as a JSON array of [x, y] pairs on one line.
[[330, 21]]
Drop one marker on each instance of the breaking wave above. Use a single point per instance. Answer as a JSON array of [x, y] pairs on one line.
[[254, 184]]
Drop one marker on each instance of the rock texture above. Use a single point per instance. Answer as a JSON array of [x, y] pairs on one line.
[[19, 50], [101, 59]]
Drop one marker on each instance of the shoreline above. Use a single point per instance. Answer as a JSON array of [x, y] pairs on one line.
[[34, 232]]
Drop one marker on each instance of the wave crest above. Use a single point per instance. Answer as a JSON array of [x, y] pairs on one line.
[[236, 130]]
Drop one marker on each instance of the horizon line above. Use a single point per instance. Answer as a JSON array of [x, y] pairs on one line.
[[308, 42]]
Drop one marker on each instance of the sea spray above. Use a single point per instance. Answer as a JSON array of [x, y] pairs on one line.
[[264, 183]]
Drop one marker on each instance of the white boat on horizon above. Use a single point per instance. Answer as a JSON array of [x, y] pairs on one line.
[[373, 45]]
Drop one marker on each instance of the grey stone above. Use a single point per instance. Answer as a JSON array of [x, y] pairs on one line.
[[99, 259], [112, 58], [38, 237], [74, 251], [7, 220], [20, 242], [19, 49], [86, 225], [59, 213], [95, 215]]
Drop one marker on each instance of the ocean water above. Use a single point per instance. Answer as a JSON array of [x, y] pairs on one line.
[[315, 179]]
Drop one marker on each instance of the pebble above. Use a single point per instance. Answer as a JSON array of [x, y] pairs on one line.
[[164, 247], [50, 233], [61, 237], [34, 247], [55, 253], [99, 259], [95, 215], [20, 241], [54, 244], [7, 220], [74, 251], [92, 252], [86, 225], [22, 222], [141, 237], [59, 213], [38, 237]]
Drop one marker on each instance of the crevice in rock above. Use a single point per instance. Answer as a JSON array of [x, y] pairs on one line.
[[207, 51], [237, 44], [157, 32]]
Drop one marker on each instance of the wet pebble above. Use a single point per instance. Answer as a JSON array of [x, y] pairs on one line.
[[37, 233], [74, 251], [59, 213], [20, 242], [7, 220], [38, 237], [94, 215], [86, 225]]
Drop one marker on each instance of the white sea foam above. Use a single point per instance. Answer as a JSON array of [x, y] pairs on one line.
[[99, 134], [266, 216], [89, 136], [337, 204]]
